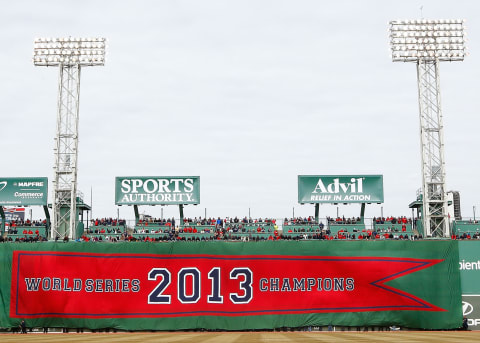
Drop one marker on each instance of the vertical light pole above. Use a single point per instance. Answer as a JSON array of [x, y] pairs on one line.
[[69, 54], [474, 208], [426, 43]]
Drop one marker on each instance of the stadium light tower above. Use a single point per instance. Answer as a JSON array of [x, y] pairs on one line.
[[69, 54], [426, 43]]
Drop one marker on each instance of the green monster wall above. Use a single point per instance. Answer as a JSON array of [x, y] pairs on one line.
[[231, 285]]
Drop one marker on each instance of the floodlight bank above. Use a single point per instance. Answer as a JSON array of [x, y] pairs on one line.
[[427, 40], [69, 51]]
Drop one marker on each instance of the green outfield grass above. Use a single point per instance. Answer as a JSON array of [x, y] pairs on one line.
[[250, 337]]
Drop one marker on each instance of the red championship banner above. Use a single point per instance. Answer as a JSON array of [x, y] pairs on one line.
[[89, 285]]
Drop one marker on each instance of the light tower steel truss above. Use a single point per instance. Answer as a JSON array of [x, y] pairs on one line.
[[427, 42], [66, 153], [435, 203], [69, 54]]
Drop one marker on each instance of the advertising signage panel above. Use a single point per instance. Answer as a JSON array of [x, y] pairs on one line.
[[157, 190], [332, 189], [13, 214], [23, 191], [469, 266]]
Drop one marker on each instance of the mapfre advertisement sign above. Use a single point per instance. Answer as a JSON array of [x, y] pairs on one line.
[[23, 191], [157, 190]]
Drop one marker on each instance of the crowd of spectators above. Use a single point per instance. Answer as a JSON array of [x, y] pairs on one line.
[[343, 220], [392, 220], [299, 221], [393, 229], [29, 229], [153, 229], [104, 230], [234, 229], [229, 228], [345, 235], [228, 221], [467, 235], [114, 237], [28, 222], [157, 221], [208, 229], [108, 222], [24, 239], [275, 235], [301, 229], [213, 222]]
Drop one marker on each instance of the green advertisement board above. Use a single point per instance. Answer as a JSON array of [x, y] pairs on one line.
[[469, 266], [23, 191], [333, 189], [157, 190], [230, 286]]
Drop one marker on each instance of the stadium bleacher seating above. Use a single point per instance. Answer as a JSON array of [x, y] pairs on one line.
[[466, 229], [109, 230]]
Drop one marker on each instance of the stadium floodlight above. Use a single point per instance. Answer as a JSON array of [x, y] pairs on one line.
[[69, 51], [426, 43], [427, 40], [69, 54]]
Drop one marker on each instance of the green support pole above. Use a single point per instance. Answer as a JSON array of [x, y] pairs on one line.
[[362, 213], [317, 210], [47, 217], [137, 216], [180, 207], [2, 214]]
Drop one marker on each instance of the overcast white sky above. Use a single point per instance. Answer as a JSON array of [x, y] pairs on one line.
[[245, 94]]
